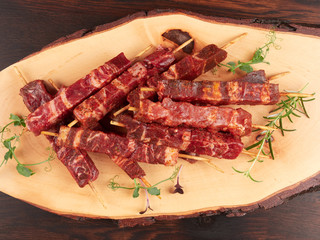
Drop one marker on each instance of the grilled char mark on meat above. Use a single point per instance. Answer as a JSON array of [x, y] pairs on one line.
[[219, 92], [236, 121], [96, 141], [198, 141], [93, 109], [191, 67], [78, 163], [52, 112]]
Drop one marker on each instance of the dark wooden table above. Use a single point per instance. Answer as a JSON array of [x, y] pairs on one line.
[[28, 25]]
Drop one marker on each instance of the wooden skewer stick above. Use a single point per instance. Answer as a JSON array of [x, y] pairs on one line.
[[234, 40], [263, 127], [148, 89], [74, 122], [121, 110], [279, 75], [133, 109], [209, 162], [53, 84], [183, 45], [49, 133], [19, 73], [117, 124], [254, 154], [141, 53], [296, 94], [197, 158], [97, 194]]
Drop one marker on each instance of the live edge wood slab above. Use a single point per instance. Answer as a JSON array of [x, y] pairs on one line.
[[207, 192]]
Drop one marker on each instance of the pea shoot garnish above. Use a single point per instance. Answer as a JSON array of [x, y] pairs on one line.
[[152, 190], [11, 144], [292, 106], [258, 57]]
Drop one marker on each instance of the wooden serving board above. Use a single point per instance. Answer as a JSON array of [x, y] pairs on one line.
[[207, 191]]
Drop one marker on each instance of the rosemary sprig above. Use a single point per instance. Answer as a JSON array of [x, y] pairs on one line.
[[258, 57], [286, 109], [10, 144]]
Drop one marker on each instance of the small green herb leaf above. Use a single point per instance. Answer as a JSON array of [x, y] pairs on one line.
[[258, 56], [17, 121], [246, 68], [24, 171], [8, 155], [154, 191], [232, 64], [136, 192], [7, 143]]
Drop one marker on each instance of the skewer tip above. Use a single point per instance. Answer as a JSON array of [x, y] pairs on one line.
[[115, 123], [134, 109], [53, 84], [183, 45], [97, 194], [263, 127], [233, 41], [121, 110], [19, 73], [279, 75], [74, 122], [49, 133]]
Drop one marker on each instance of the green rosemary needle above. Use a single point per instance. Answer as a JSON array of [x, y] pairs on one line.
[[292, 106]]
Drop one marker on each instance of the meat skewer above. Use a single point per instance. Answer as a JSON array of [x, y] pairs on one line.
[[220, 92], [236, 121], [189, 68], [97, 106], [196, 141], [128, 165], [52, 112], [119, 148], [78, 163], [185, 139], [34, 94]]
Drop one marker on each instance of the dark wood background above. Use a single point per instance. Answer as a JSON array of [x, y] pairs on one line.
[[28, 25]]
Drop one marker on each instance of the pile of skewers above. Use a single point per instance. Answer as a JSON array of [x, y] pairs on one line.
[[168, 116]]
